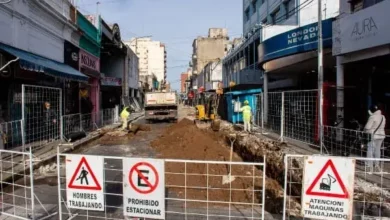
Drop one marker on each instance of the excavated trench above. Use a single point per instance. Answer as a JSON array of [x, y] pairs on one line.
[[370, 198]]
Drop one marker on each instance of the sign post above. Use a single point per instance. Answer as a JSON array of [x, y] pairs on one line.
[[328, 187], [144, 188], [84, 182]]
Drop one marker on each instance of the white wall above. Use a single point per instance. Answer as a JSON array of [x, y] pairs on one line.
[[156, 60], [31, 27]]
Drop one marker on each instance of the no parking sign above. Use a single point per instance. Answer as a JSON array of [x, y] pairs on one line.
[[143, 188]]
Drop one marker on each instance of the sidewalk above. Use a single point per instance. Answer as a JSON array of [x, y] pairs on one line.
[[382, 179], [49, 151]]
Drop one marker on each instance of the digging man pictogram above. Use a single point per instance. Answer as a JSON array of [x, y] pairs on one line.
[[83, 175]]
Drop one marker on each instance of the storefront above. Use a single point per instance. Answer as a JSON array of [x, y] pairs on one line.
[[90, 66], [290, 59], [71, 88], [290, 62], [31, 69], [361, 44], [111, 92]]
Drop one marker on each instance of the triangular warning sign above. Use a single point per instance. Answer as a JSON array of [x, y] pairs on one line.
[[330, 185], [82, 170]]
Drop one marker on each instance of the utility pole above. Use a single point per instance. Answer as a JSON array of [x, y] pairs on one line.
[[320, 74]]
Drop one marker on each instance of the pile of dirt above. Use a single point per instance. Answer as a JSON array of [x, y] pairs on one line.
[[204, 181], [185, 141]]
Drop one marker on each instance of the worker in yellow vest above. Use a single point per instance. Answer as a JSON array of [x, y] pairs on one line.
[[125, 114], [246, 114]]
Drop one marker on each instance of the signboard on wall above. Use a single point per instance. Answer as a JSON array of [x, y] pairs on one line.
[[111, 81], [298, 40], [364, 29], [89, 61], [71, 55]]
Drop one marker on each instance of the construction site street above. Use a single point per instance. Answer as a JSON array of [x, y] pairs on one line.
[[166, 141]]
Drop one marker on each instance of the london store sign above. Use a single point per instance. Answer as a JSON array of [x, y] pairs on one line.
[[89, 61], [299, 40], [364, 29]]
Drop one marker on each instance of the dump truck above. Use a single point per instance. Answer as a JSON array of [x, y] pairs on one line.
[[161, 106]]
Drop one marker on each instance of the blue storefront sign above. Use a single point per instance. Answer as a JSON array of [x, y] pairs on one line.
[[299, 40]]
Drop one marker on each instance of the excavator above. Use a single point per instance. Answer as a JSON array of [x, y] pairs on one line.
[[206, 110]]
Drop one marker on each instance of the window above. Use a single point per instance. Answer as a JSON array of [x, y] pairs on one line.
[[277, 16], [357, 5], [290, 8], [247, 14], [264, 21], [254, 5]]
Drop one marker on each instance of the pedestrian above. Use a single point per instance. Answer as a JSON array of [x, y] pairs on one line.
[[246, 114], [375, 127], [50, 122]]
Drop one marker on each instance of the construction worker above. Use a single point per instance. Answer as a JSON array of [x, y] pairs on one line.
[[247, 114], [125, 114]]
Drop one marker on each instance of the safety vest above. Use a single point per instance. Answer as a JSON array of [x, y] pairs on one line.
[[125, 113], [246, 112]]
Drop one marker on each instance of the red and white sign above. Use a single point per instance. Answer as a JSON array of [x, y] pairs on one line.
[[89, 61], [326, 193], [144, 188], [84, 182]]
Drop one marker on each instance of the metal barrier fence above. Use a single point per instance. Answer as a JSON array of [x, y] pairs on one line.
[[11, 134], [193, 190], [41, 114], [371, 197], [274, 112], [108, 116], [71, 123], [258, 111], [345, 142], [88, 122], [290, 114], [300, 116], [18, 199]]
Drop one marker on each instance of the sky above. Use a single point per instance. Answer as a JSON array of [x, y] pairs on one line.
[[173, 22]]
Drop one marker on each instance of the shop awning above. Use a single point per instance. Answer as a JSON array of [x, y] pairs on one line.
[[37, 63]]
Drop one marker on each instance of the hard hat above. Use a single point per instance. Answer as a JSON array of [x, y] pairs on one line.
[[246, 102]]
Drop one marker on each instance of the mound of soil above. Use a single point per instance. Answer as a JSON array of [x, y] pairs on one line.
[[204, 180], [185, 141]]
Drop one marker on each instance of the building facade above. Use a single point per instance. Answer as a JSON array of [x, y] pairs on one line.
[[361, 39], [262, 20], [210, 48], [183, 84], [152, 60]]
